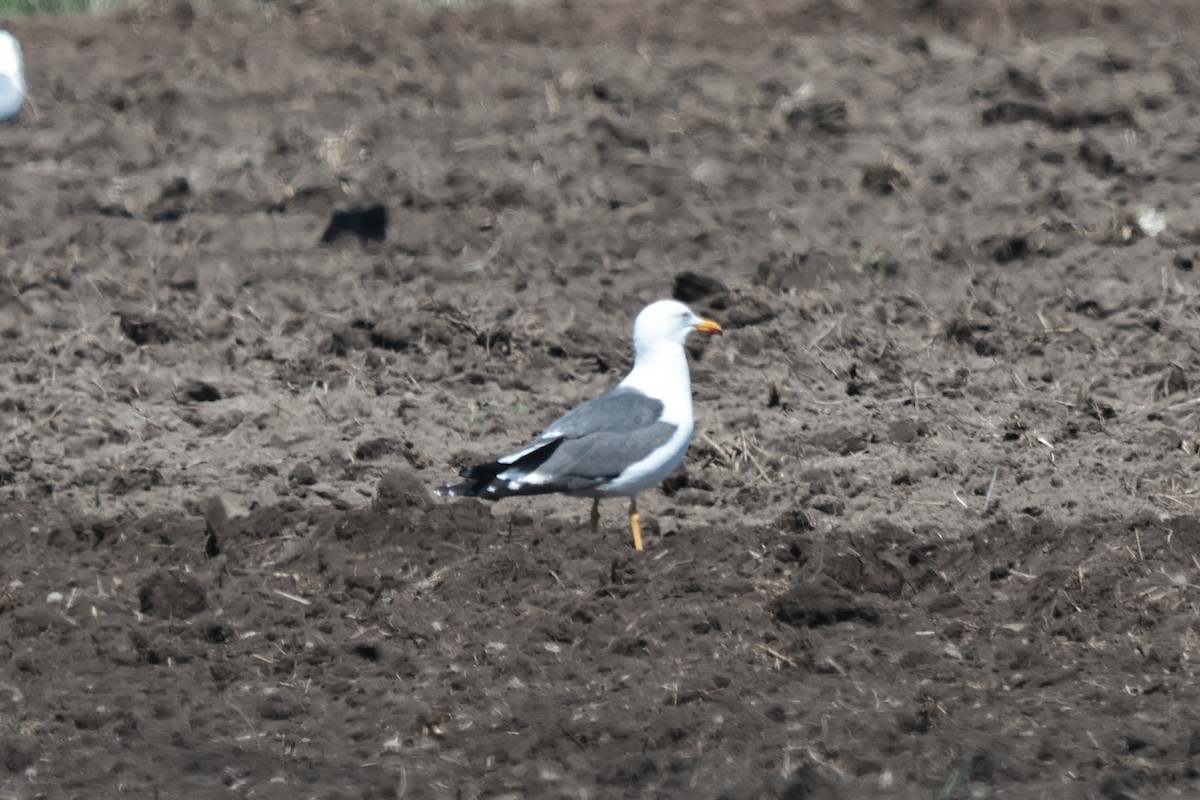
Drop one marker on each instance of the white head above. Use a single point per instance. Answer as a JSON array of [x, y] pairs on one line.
[[668, 322], [12, 65]]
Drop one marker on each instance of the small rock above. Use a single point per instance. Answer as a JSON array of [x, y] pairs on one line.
[[827, 504], [691, 287], [904, 431], [182, 13], [842, 441], [401, 488], [171, 595], [885, 177], [16, 755], [368, 224], [198, 392], [747, 312], [278, 707], [145, 331], [1174, 381], [36, 620], [302, 475], [796, 520], [375, 449], [821, 603]]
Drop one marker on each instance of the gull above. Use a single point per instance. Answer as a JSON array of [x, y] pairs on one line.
[[12, 77], [618, 444]]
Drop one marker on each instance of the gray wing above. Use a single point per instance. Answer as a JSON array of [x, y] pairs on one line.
[[623, 411], [591, 460], [584, 448], [602, 437]]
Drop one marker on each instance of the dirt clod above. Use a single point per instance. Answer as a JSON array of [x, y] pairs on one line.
[[171, 595]]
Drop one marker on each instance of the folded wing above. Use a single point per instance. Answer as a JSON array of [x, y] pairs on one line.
[[585, 448]]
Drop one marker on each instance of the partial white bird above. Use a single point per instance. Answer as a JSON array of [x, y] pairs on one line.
[[12, 77], [618, 444]]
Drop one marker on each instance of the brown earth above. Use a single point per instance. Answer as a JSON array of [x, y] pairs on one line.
[[938, 533]]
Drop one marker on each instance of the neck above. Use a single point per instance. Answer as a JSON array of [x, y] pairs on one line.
[[662, 372]]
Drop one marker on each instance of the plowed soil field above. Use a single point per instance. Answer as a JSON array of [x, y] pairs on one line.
[[269, 274]]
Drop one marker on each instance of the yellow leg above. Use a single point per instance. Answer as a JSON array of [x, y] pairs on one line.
[[595, 515], [635, 522]]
